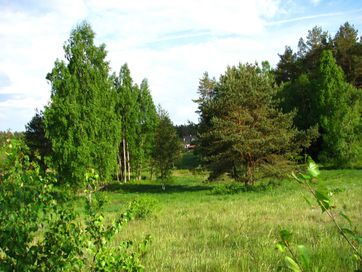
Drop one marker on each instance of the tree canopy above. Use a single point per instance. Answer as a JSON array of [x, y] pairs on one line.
[[167, 146], [81, 121], [246, 132]]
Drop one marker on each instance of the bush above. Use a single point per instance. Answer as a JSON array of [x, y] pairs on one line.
[[235, 188], [40, 230], [140, 208], [228, 189]]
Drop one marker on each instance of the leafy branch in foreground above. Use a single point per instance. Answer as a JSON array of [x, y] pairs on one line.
[[300, 260], [104, 256], [326, 205], [40, 230]]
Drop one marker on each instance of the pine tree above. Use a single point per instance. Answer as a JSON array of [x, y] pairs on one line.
[[247, 133], [80, 120], [348, 53], [287, 68], [206, 111]]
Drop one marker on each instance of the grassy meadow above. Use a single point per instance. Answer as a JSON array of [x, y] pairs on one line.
[[194, 228]]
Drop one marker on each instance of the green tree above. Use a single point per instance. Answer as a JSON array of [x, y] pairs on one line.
[[247, 134], [348, 53], [138, 116], [300, 75], [34, 137], [340, 119], [167, 145], [127, 108], [186, 130], [80, 120], [148, 120], [206, 111]]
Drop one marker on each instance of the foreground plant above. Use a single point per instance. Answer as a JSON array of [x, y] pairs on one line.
[[350, 235], [299, 259], [40, 230], [106, 257]]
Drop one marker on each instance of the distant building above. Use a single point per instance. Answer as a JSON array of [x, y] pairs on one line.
[[189, 142]]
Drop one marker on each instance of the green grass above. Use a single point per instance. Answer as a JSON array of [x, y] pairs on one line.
[[195, 230]]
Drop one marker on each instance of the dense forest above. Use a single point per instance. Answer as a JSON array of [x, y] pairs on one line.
[[100, 127]]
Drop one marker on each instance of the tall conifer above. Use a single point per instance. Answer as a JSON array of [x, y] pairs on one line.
[[247, 133], [340, 120]]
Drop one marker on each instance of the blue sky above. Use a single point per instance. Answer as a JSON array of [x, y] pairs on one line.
[[171, 43]]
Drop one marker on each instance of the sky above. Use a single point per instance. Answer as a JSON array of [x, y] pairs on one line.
[[169, 42]]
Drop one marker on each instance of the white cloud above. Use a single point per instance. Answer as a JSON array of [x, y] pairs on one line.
[[170, 42], [315, 2]]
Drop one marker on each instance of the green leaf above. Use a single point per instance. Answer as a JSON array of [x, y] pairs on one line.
[[280, 247], [313, 169], [292, 265], [345, 217], [354, 235], [296, 178], [323, 201], [357, 258], [350, 232], [306, 177], [304, 255], [285, 235], [307, 200]]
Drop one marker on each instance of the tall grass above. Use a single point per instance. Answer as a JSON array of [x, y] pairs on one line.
[[195, 230]]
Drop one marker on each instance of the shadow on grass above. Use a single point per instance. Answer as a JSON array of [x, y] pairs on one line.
[[155, 188]]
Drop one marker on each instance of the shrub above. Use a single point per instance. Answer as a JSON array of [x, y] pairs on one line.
[[40, 231], [140, 208]]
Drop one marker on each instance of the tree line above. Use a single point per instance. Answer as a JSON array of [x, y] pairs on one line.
[[255, 121], [99, 120]]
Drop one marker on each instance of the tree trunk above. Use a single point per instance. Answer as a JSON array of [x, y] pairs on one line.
[[249, 170], [124, 160], [128, 164], [151, 172], [119, 168]]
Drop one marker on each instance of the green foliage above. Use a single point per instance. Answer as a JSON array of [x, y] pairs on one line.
[[315, 87], [128, 111], [138, 116], [34, 137], [8, 135], [340, 119], [106, 257], [300, 259], [242, 130], [40, 230], [147, 120], [167, 147], [325, 202], [228, 189], [81, 121], [140, 208], [37, 232], [189, 160], [348, 53], [235, 188], [186, 130]]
